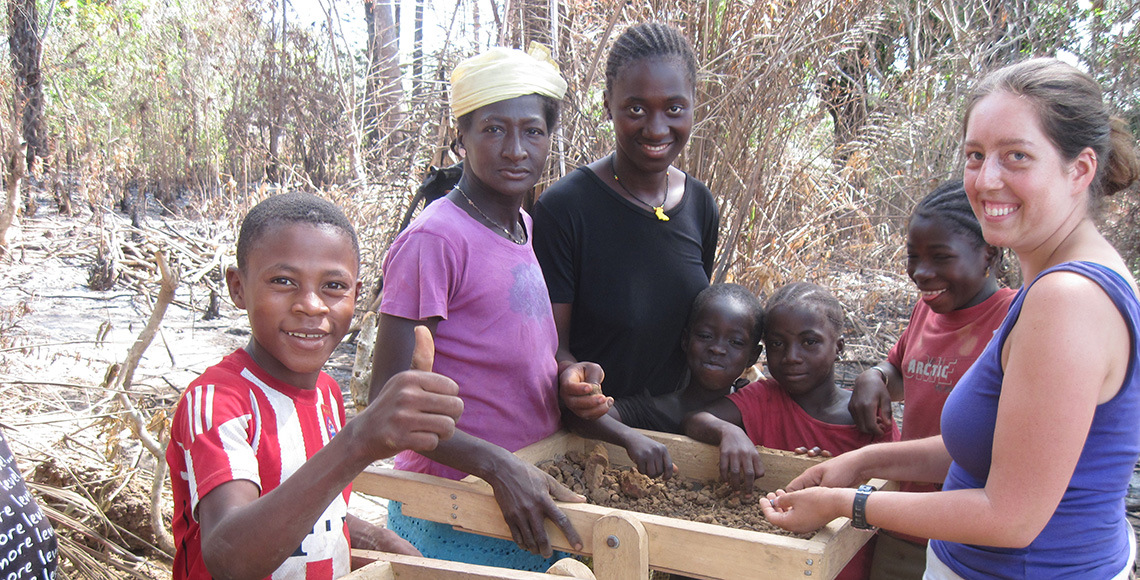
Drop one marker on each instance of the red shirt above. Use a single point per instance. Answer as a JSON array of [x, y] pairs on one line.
[[933, 352], [772, 419], [237, 422]]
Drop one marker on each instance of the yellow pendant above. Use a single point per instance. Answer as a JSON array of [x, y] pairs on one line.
[[660, 212]]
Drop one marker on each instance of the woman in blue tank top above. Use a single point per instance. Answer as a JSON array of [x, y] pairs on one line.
[[1040, 436]]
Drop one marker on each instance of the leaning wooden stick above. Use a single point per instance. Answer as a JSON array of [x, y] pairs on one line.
[[140, 424]]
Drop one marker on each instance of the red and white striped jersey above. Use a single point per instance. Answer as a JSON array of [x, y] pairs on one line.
[[237, 422]]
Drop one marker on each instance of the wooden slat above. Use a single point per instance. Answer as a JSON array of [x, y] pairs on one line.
[[690, 548], [621, 547], [375, 571], [387, 566]]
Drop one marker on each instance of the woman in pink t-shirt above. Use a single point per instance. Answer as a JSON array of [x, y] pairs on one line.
[[465, 269]]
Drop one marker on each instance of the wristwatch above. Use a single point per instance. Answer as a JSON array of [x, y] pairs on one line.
[[859, 509]]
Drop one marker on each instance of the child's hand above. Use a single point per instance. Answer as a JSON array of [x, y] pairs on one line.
[[870, 404], [580, 388], [423, 355], [842, 471], [740, 463], [415, 410], [650, 457], [365, 535]]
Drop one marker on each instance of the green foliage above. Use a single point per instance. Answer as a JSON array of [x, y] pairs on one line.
[[179, 97]]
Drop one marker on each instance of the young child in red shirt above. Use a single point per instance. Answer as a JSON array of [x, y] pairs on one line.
[[799, 407], [720, 341], [959, 308], [260, 456]]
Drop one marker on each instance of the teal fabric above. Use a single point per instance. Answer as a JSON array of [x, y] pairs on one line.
[[442, 542]]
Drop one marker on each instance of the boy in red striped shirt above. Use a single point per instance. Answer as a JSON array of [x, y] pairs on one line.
[[261, 457]]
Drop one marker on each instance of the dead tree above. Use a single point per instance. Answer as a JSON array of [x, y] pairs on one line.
[[277, 105], [383, 117], [26, 52], [844, 97]]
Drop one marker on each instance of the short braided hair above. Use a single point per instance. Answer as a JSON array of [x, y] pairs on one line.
[[948, 204], [735, 293], [293, 207], [650, 40], [811, 295]]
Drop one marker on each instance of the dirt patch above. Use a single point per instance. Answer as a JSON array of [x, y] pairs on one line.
[[710, 502], [116, 507]]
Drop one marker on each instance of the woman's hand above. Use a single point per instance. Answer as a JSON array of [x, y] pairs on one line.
[[740, 463], [650, 457], [580, 389], [806, 510], [870, 404], [524, 494]]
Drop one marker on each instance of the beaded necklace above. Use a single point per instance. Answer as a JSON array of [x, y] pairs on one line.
[[510, 236]]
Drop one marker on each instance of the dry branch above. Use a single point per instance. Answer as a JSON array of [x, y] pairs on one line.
[[140, 425], [362, 366]]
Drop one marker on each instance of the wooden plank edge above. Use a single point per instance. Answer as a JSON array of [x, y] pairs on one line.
[[469, 505], [385, 566], [723, 552]]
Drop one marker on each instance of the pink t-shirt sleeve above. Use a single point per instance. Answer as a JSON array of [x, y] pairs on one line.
[[419, 275]]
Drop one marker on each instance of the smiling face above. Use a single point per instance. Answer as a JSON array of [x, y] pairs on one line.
[[507, 143], [947, 265], [720, 344], [651, 104], [299, 289], [1021, 189], [802, 345]]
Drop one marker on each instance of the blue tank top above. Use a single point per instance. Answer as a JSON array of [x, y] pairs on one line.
[[1087, 536]]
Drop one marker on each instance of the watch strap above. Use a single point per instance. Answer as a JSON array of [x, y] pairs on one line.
[[859, 508]]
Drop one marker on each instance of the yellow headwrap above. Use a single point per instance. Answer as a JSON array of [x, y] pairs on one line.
[[504, 73]]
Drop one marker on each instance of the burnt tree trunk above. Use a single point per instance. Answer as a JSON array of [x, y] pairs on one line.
[[26, 52], [382, 113], [277, 114], [844, 98]]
